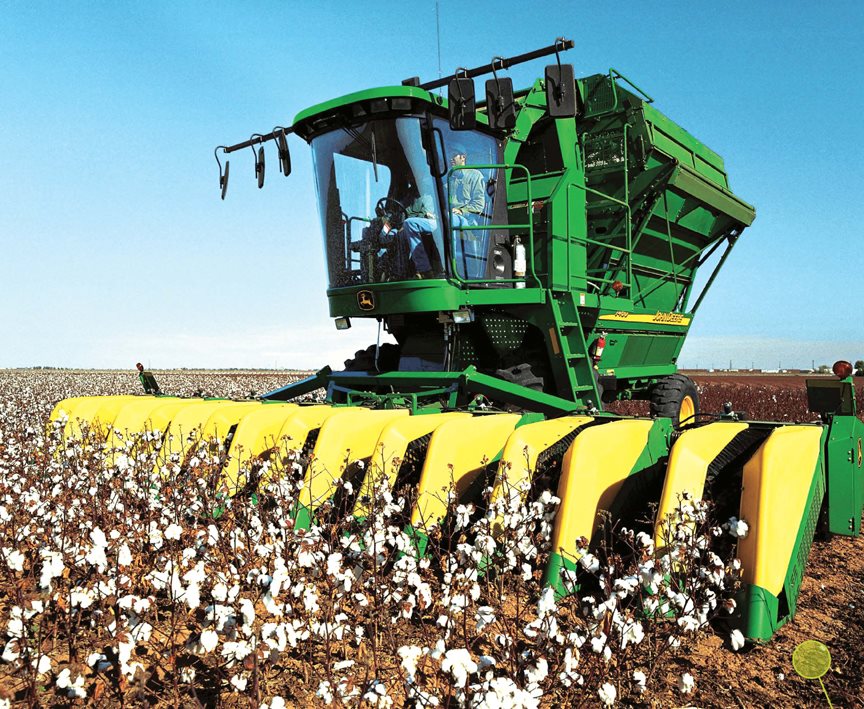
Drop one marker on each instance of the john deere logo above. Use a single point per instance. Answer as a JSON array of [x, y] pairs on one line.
[[365, 300], [860, 453]]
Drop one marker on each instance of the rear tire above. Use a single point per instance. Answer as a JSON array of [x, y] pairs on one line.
[[677, 398], [364, 360]]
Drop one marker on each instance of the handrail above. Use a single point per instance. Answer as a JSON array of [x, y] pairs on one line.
[[485, 227], [629, 248], [615, 74]]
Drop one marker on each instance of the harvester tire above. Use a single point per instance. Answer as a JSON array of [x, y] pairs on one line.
[[521, 374], [364, 360], [675, 397]]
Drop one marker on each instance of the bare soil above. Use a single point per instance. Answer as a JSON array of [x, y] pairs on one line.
[[830, 609], [831, 604]]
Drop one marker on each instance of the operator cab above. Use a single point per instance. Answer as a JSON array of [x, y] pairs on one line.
[[400, 198]]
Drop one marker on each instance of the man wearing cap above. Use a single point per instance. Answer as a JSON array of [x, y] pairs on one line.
[[467, 192], [467, 204]]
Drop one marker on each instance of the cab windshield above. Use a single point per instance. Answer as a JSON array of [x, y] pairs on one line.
[[381, 214]]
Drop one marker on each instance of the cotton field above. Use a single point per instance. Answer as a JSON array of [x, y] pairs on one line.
[[128, 578]]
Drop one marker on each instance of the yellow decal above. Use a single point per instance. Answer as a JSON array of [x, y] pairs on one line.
[[365, 300], [658, 318], [860, 456]]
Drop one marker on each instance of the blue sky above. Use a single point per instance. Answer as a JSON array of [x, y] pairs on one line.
[[116, 247]]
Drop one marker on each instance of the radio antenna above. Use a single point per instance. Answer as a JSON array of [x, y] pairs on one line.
[[438, 35]]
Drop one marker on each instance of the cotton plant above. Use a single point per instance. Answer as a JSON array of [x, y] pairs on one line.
[[120, 544]]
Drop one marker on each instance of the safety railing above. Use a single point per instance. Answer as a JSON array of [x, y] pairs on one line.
[[627, 251]]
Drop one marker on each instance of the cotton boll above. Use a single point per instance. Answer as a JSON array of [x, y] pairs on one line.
[[607, 694], [686, 683]]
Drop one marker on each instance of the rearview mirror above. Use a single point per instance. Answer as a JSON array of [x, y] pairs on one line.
[[223, 179], [561, 98], [259, 167], [284, 155], [462, 104], [500, 104]]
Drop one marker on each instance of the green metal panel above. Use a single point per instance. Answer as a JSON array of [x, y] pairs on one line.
[[384, 92], [844, 459]]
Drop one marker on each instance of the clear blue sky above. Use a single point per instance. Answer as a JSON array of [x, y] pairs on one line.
[[116, 247]]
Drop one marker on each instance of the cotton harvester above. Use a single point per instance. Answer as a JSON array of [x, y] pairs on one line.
[[534, 255]]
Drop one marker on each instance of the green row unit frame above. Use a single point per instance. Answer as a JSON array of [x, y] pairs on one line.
[[834, 506]]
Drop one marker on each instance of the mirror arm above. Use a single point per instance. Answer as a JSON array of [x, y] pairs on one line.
[[561, 44], [258, 140]]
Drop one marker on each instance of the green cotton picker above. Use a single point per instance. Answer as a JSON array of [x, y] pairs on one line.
[[534, 254]]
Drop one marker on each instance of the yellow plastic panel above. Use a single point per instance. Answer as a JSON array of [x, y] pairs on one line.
[[458, 452], [298, 426], [67, 407], [346, 436], [160, 418], [257, 432], [593, 470], [98, 411], [134, 417], [223, 418], [688, 465], [524, 445], [187, 420], [774, 494], [390, 450]]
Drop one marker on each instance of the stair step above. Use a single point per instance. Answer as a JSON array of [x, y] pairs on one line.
[[583, 387]]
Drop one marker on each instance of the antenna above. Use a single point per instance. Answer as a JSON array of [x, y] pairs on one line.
[[438, 35]]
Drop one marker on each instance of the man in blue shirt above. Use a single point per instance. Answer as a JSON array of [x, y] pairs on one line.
[[420, 219]]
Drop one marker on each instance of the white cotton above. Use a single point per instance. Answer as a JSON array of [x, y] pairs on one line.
[[590, 563], [410, 655], [607, 694], [43, 666], [15, 559], [686, 683], [219, 592], [536, 673], [173, 531], [736, 637], [639, 679], [459, 664], [124, 555], [546, 603], [247, 611], [325, 692], [10, 652], [209, 640], [632, 632]]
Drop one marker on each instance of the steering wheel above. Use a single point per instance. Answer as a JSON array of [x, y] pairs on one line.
[[392, 210]]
